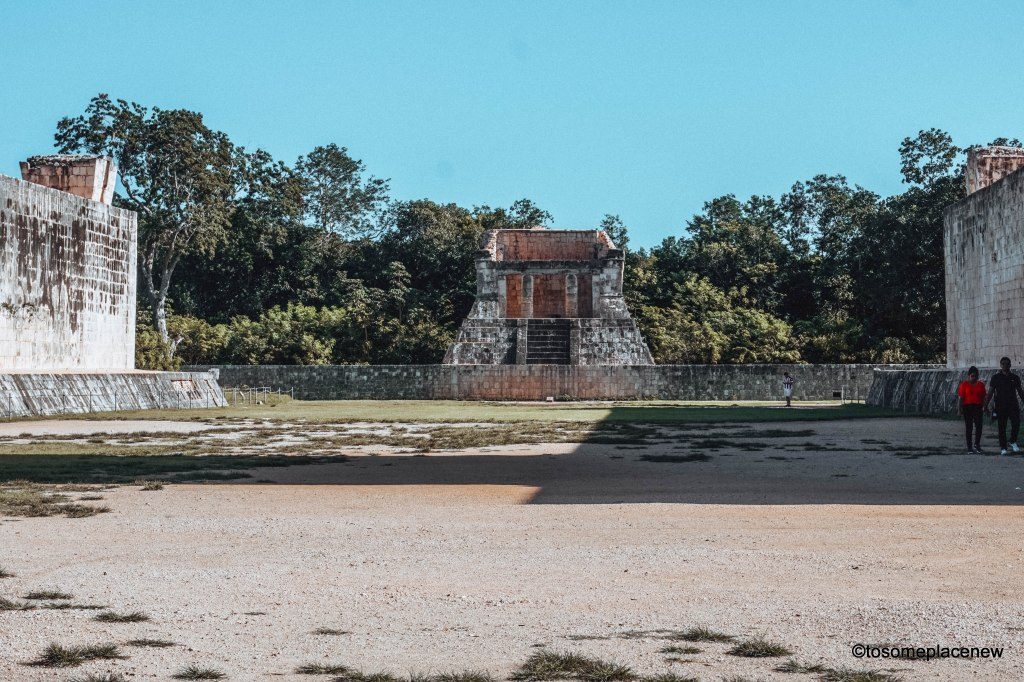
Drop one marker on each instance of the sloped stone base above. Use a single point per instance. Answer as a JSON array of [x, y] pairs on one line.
[[32, 394]]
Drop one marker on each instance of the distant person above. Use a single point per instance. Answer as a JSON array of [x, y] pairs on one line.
[[787, 388], [971, 405], [1003, 391]]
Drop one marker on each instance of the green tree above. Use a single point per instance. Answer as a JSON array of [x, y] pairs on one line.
[[175, 172]]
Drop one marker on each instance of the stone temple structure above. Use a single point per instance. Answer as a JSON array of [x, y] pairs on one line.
[[67, 297], [548, 297]]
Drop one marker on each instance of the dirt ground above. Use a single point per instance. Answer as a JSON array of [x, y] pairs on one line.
[[856, 533]]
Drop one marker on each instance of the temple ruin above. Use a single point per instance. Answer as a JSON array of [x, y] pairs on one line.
[[548, 297]]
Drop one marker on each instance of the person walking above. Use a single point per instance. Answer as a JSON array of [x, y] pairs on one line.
[[1003, 390], [971, 394], [787, 388]]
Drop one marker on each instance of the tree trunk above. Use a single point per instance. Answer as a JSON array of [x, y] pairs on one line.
[[157, 305]]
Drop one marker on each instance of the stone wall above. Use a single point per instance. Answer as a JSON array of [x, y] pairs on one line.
[[984, 252], [536, 382], [67, 281], [931, 391], [34, 394]]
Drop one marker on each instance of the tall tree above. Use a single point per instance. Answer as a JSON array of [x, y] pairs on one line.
[[337, 197], [175, 172]]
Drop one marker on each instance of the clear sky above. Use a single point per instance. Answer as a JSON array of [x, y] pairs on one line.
[[645, 109]]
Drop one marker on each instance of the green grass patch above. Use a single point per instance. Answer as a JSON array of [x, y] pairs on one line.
[[664, 412]]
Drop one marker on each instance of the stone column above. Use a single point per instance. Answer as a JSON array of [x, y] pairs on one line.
[[528, 296], [571, 296]]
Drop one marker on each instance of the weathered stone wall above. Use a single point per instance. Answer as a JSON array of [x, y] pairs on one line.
[[984, 250], [931, 391], [536, 382], [67, 281], [33, 394]]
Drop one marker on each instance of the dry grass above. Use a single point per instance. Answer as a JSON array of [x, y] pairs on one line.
[[69, 606], [114, 617], [22, 498], [8, 605], [149, 643], [48, 594], [331, 631], [4, 573], [684, 650], [847, 675], [700, 633], [322, 669], [759, 647], [57, 656], [550, 665], [195, 672]]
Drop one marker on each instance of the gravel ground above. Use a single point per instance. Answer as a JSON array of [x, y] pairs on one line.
[[473, 559]]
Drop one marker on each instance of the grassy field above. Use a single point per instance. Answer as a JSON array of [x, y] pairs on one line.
[[658, 412]]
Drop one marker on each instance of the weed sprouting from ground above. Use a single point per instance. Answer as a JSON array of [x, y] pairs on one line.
[[149, 643], [464, 676], [847, 675], [47, 594], [322, 669], [792, 666], [669, 677], [759, 648], [101, 677], [69, 606], [4, 573], [8, 605], [195, 672], [114, 617], [676, 459], [700, 633], [57, 656], [330, 631], [149, 486], [550, 665]]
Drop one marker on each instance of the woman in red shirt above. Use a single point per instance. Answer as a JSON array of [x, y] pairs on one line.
[[972, 397]]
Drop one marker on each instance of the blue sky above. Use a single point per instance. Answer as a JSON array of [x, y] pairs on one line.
[[643, 109]]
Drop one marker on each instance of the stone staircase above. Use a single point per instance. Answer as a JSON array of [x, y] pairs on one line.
[[547, 342]]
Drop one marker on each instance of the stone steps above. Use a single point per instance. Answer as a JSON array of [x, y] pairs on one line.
[[547, 342]]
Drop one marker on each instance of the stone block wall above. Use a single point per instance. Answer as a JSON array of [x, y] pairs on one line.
[[41, 393], [984, 254], [67, 281], [930, 391], [536, 382]]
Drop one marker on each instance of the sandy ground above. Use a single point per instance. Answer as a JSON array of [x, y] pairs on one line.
[[466, 560]]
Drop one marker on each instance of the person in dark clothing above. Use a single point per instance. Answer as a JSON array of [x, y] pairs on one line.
[[971, 404], [1003, 390]]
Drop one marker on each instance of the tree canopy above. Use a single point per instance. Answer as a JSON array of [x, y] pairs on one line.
[[244, 258]]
